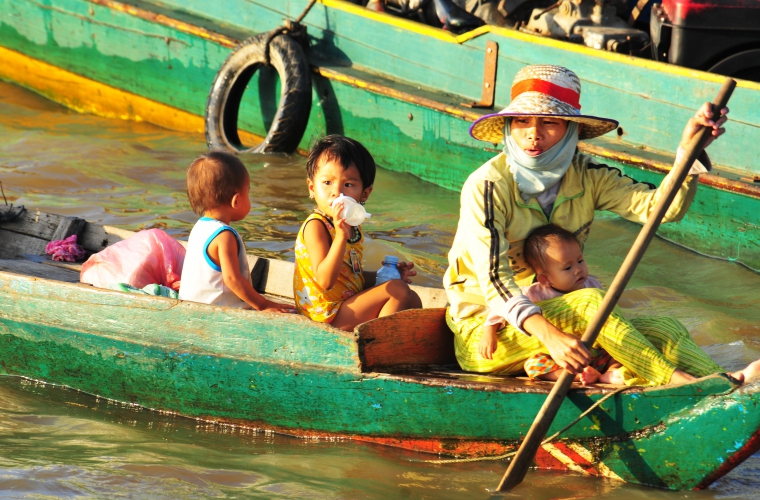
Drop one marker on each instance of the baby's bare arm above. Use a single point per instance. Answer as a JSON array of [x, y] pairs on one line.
[[224, 251], [488, 343]]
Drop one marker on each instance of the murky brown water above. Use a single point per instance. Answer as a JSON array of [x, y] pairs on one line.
[[60, 443]]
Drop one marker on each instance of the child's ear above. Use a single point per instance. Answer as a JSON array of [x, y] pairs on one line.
[[310, 186], [542, 278], [235, 200], [365, 194]]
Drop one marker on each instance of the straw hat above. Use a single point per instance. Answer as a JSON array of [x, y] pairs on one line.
[[542, 90]]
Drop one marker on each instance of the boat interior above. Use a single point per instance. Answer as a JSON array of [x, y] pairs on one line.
[[413, 345]]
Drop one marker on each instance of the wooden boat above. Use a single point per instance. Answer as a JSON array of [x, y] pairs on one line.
[[392, 381], [395, 85]]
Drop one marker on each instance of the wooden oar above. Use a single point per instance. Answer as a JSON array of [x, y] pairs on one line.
[[519, 465]]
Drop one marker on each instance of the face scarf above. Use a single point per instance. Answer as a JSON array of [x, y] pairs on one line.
[[536, 174]]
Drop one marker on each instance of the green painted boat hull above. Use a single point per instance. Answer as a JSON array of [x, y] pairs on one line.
[[286, 373]]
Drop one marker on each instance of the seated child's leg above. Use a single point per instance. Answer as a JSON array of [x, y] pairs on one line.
[[542, 366], [613, 375], [382, 300]]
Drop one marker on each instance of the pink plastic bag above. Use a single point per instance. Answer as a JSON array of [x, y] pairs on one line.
[[65, 250], [150, 256]]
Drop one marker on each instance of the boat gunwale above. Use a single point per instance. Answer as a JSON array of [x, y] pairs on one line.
[[15, 280]]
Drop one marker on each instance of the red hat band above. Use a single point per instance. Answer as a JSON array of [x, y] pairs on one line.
[[564, 94]]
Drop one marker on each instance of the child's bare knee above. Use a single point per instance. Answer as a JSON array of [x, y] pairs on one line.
[[415, 302], [399, 290]]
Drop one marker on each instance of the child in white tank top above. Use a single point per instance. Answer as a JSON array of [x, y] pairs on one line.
[[216, 267]]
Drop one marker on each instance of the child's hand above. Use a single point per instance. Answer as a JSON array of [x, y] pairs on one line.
[[342, 229], [488, 344], [406, 272], [702, 119], [277, 307]]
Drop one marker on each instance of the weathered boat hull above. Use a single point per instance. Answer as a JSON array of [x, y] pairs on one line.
[[286, 373], [393, 84]]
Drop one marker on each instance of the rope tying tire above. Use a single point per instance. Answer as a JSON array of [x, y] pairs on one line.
[[279, 49]]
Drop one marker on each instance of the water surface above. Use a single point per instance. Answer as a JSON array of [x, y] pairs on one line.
[[58, 443]]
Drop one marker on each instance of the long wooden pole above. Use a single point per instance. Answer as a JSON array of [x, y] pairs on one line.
[[519, 465]]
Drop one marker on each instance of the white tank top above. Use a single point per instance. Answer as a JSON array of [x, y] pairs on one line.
[[201, 278]]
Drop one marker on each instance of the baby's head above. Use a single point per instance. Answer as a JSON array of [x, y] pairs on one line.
[[336, 165], [556, 256], [218, 180]]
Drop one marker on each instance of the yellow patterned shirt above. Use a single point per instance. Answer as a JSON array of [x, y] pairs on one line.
[[311, 299]]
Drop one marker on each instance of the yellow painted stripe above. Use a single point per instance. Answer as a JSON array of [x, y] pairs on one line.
[[619, 58], [600, 466], [556, 453], [89, 96], [447, 36]]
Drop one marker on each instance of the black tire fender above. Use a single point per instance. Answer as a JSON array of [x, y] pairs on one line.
[[744, 64], [223, 105]]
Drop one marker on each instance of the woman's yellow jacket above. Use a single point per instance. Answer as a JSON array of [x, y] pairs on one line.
[[485, 261]]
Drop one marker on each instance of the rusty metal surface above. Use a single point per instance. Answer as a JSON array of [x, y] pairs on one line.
[[489, 77]]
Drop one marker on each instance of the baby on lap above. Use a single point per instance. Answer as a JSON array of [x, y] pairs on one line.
[[556, 256]]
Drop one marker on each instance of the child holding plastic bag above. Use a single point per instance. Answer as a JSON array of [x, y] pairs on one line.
[[216, 267], [328, 281]]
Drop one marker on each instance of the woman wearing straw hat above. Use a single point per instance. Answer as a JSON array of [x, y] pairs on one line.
[[541, 178]]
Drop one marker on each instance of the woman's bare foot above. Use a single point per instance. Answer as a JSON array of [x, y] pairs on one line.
[[681, 377], [752, 370], [588, 376], [612, 376]]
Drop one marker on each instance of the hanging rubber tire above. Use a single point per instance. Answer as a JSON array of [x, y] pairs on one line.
[[289, 123]]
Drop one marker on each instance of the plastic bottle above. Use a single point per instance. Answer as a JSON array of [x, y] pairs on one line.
[[389, 271], [353, 212]]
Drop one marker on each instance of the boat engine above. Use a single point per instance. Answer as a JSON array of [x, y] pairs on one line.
[[594, 23]]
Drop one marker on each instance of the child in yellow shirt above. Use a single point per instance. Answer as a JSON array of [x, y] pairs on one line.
[[328, 281]]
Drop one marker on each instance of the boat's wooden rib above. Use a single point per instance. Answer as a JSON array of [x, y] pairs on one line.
[[48, 261], [29, 268], [392, 381]]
